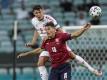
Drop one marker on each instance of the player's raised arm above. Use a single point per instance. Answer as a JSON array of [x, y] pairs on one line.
[[36, 51], [80, 31], [34, 39]]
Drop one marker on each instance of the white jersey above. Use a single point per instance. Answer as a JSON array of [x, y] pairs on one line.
[[39, 25]]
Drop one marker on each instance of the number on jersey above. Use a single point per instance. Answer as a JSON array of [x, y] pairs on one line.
[[54, 49]]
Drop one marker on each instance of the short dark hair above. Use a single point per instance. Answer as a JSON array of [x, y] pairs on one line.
[[50, 24], [37, 7]]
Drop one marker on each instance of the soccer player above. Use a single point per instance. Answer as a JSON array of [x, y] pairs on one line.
[[38, 22], [59, 54]]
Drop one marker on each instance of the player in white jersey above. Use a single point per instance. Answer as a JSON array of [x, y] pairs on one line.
[[39, 25], [39, 22]]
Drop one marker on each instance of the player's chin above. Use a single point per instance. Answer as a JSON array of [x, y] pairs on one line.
[[49, 35]]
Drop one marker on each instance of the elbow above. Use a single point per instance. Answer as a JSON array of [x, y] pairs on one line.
[[75, 36]]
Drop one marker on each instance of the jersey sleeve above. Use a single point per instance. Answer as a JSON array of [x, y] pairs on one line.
[[33, 22], [65, 37], [54, 21]]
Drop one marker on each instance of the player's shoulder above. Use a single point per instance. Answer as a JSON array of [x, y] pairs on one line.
[[58, 34], [45, 41], [34, 19], [48, 17]]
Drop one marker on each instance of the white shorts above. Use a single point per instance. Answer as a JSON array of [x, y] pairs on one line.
[[44, 53]]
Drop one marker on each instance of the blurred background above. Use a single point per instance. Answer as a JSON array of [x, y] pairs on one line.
[[92, 46]]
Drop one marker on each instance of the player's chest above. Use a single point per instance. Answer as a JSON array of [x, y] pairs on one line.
[[41, 24], [54, 45], [40, 27]]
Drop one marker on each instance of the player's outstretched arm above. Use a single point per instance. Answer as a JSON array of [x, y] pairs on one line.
[[80, 31], [36, 51]]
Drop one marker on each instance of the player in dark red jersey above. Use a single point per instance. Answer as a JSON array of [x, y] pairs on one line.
[[59, 54]]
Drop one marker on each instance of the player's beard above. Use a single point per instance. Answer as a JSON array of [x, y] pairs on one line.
[[51, 36]]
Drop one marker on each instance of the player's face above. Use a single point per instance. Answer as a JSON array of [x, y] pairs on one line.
[[39, 14], [50, 31]]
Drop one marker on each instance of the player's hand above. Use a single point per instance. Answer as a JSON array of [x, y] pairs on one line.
[[87, 26], [29, 45], [21, 55], [97, 73]]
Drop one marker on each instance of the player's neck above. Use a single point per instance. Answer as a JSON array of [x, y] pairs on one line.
[[51, 37], [42, 18]]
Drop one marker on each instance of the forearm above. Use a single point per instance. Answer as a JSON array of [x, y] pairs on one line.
[[78, 33], [35, 37], [81, 31], [34, 52]]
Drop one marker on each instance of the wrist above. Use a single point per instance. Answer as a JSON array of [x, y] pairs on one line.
[[85, 29], [33, 43], [27, 53]]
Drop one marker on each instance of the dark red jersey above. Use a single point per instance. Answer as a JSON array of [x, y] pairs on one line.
[[57, 49]]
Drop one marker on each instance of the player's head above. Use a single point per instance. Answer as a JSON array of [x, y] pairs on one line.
[[38, 12], [50, 29]]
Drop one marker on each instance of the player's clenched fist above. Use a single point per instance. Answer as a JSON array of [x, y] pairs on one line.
[[21, 55], [87, 26], [29, 45]]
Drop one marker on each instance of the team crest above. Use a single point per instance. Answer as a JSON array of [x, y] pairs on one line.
[[57, 40]]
